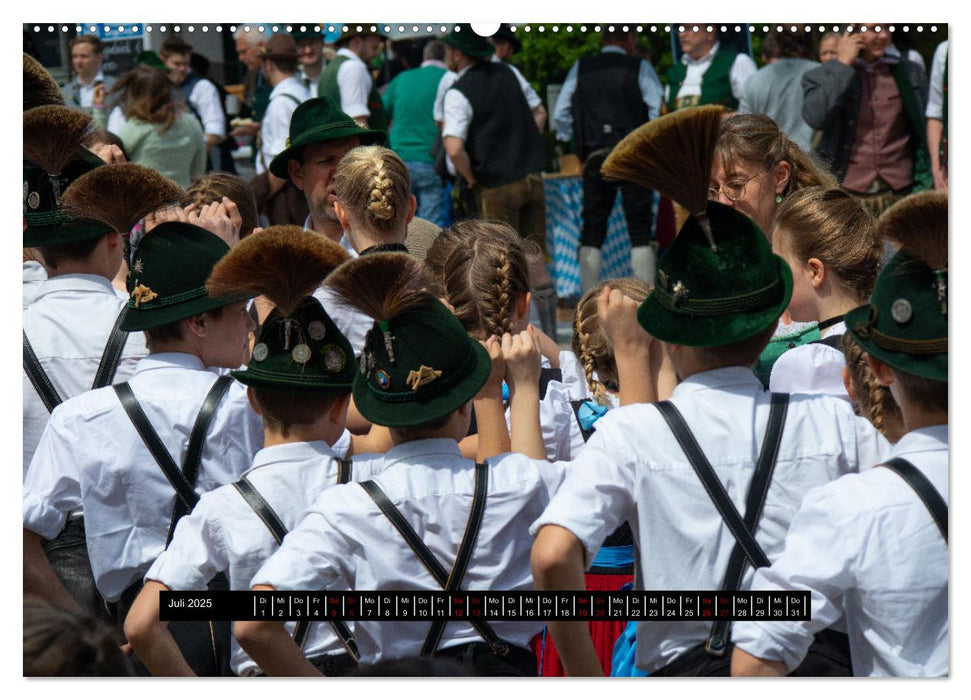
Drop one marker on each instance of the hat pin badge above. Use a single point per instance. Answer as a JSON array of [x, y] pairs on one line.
[[422, 376], [901, 311], [301, 353]]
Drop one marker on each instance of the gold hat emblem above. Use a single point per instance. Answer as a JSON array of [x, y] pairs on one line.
[[142, 294], [422, 376]]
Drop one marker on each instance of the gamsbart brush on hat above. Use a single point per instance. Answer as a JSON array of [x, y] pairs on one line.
[[299, 348]]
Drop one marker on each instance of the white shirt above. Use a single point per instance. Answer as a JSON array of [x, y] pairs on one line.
[[68, 326], [812, 368], [116, 120], [85, 91], [867, 550], [224, 534], [345, 541], [562, 437], [34, 274], [91, 456], [935, 96], [354, 82], [310, 83], [634, 469], [275, 127], [351, 322], [457, 111], [742, 68], [204, 98]]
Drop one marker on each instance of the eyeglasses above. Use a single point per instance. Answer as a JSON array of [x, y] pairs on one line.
[[733, 189]]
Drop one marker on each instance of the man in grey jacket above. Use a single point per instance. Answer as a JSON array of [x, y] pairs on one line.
[[869, 105]]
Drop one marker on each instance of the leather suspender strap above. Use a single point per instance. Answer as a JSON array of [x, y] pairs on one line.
[[924, 489], [38, 377], [112, 353], [720, 635], [701, 465], [183, 489], [181, 480], [254, 499], [425, 556], [197, 439], [461, 565], [746, 546], [344, 471]]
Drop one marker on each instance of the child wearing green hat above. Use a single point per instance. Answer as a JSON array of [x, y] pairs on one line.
[[872, 548], [418, 374], [717, 298], [114, 452], [81, 256], [299, 382], [63, 358]]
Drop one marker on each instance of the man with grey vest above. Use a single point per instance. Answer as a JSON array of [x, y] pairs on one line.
[[604, 98], [491, 135]]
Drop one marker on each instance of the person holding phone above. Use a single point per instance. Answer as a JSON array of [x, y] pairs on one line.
[[869, 104]]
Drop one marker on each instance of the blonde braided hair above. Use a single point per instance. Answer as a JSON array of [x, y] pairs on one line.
[[373, 185], [875, 401], [590, 343]]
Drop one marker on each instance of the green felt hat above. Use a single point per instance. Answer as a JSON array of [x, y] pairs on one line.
[[463, 38], [304, 352], [418, 366], [168, 276], [706, 296], [316, 121], [151, 60], [905, 323], [47, 223], [505, 33]]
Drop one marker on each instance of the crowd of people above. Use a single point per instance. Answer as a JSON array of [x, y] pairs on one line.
[[307, 381]]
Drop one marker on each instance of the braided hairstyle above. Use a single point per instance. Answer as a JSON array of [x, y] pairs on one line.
[[590, 342], [874, 400], [373, 185], [479, 269]]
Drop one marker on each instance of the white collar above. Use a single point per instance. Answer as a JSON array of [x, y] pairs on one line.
[[350, 54], [291, 452], [97, 76], [717, 379], [688, 61], [281, 87]]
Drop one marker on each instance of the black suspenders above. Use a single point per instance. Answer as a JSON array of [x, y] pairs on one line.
[[182, 481], [924, 489], [449, 581], [106, 368], [276, 527], [746, 547]]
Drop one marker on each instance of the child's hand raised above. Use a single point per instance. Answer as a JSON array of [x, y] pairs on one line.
[[618, 315], [521, 354], [493, 386]]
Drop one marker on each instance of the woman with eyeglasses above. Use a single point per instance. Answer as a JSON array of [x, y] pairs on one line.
[[756, 166]]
